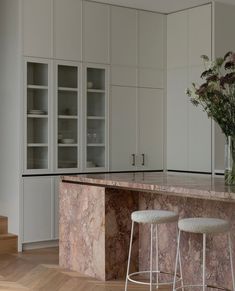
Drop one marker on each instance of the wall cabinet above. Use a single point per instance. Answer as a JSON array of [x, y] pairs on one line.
[[37, 28], [96, 24], [68, 29], [136, 134]]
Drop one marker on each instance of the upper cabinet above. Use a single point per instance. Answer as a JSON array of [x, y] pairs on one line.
[[37, 28], [68, 29], [96, 23], [123, 36]]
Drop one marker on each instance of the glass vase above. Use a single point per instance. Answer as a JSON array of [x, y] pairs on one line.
[[229, 173]]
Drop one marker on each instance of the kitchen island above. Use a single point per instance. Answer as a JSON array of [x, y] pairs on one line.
[[95, 222]]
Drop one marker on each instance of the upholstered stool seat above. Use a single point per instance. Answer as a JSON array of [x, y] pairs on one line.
[[154, 216], [204, 225]]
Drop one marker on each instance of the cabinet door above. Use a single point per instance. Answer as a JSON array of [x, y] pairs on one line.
[[150, 125], [177, 120], [37, 28], [151, 39], [123, 36], [122, 127], [96, 24], [38, 209], [68, 29], [56, 207]]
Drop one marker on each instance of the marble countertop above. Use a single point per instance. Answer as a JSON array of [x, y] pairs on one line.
[[170, 183]]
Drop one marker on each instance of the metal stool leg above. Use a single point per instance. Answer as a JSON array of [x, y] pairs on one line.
[[129, 256], [176, 260], [181, 273], [151, 260], [231, 259], [157, 257], [204, 263]]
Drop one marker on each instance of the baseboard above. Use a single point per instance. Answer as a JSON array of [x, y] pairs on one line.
[[40, 245]]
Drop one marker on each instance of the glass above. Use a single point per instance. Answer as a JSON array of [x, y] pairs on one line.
[[229, 173]]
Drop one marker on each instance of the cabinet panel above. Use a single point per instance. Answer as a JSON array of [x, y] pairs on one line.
[[56, 206], [122, 127], [150, 125], [124, 76], [199, 34], [123, 36], [68, 29], [37, 28], [151, 78], [177, 119], [37, 209], [177, 39], [96, 26], [151, 39], [199, 132]]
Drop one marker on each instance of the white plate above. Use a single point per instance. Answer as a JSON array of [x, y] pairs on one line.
[[35, 111], [67, 140]]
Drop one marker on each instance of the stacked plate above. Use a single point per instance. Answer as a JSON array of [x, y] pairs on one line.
[[36, 111]]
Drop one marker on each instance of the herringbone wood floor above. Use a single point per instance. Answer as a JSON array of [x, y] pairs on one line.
[[38, 270]]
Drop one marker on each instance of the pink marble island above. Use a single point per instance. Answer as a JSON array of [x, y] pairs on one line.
[[95, 222]]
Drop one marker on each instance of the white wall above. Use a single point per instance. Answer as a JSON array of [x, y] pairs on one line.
[[9, 112]]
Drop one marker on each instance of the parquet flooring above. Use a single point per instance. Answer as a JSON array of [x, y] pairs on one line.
[[38, 270]]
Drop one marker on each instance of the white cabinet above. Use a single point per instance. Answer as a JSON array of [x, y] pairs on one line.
[[38, 209], [68, 29], [56, 206], [96, 30], [188, 128], [136, 129], [123, 132], [123, 36], [150, 126], [37, 28]]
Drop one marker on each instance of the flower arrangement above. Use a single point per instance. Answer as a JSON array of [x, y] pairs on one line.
[[216, 95]]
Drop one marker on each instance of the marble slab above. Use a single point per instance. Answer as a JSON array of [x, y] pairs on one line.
[[176, 184]]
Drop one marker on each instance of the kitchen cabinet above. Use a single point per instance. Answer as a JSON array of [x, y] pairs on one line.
[[136, 129], [37, 28], [123, 131], [96, 32], [68, 30], [186, 125], [38, 209]]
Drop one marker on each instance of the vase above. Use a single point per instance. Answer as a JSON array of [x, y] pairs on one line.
[[229, 173]]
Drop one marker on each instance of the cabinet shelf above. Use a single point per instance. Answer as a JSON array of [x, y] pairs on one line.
[[37, 145], [40, 87], [96, 117], [96, 145], [67, 89], [95, 91], [67, 116]]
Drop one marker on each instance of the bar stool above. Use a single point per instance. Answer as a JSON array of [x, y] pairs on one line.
[[204, 226], [153, 217]]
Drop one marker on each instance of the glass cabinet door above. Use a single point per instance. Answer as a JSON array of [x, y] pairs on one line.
[[67, 93], [37, 121], [96, 98]]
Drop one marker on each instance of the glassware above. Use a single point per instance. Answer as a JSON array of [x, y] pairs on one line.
[[229, 173]]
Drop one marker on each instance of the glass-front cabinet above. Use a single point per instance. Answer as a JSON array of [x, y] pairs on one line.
[[96, 92], [68, 116], [37, 115]]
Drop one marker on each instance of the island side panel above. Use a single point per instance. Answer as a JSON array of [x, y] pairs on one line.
[[217, 262], [119, 204], [82, 229]]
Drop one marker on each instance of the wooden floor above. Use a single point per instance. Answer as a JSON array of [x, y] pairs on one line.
[[39, 270]]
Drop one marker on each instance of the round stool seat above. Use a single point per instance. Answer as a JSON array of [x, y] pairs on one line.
[[204, 225], [154, 216]]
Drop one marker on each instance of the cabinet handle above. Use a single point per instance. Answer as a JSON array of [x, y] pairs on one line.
[[143, 159], [133, 159]]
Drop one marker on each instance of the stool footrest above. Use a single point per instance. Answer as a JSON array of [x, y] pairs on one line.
[[153, 283], [207, 286]]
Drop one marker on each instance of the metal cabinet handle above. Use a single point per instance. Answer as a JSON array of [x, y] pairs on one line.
[[143, 159], [133, 159]]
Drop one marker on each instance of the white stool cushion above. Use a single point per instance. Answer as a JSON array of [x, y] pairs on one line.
[[204, 225], [154, 216]]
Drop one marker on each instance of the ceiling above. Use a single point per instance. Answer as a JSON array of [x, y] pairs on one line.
[[163, 6]]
